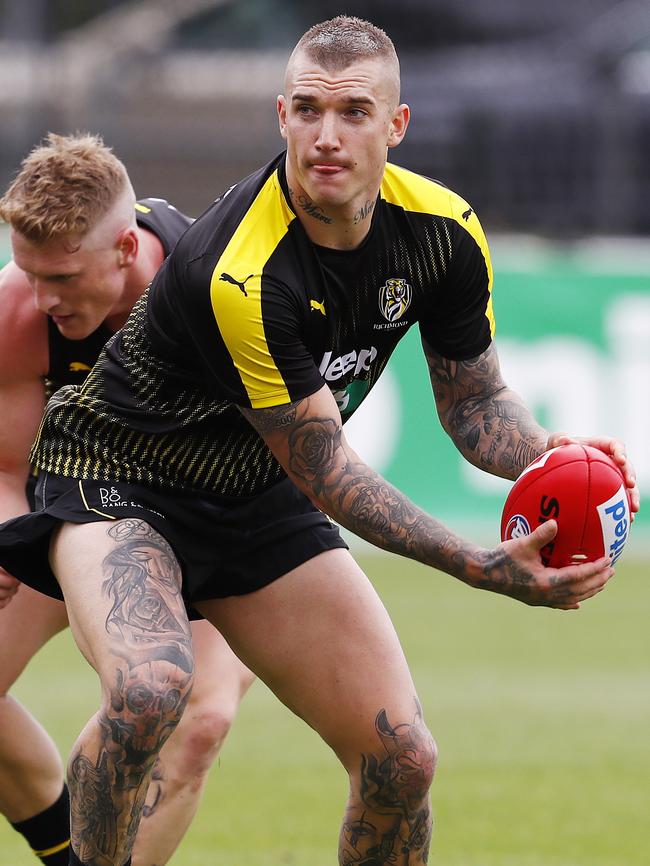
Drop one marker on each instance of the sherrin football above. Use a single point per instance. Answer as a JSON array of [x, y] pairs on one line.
[[584, 491]]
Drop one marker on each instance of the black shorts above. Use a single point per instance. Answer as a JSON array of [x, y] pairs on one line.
[[224, 546]]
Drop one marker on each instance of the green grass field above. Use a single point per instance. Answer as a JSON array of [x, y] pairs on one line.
[[542, 720]]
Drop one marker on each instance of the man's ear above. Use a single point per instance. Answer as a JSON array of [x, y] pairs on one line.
[[128, 244], [398, 125], [282, 115]]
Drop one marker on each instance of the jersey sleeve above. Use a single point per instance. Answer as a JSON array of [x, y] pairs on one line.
[[459, 324]]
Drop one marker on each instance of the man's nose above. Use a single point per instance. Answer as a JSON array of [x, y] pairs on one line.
[[328, 133], [46, 295]]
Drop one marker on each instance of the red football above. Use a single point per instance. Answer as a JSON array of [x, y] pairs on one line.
[[583, 490]]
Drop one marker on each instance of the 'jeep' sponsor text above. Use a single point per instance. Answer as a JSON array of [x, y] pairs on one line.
[[331, 370]]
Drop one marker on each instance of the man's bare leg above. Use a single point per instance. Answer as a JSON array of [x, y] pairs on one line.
[[322, 640], [31, 772], [121, 583], [180, 773], [33, 796]]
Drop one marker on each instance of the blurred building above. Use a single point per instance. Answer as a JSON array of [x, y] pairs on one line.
[[537, 113]]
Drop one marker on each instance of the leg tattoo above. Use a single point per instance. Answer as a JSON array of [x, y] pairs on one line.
[[155, 793], [390, 822], [150, 641]]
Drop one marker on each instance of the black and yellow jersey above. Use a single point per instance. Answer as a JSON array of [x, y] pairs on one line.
[[248, 312], [70, 361]]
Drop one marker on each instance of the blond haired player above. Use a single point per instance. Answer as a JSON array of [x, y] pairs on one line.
[[84, 251]]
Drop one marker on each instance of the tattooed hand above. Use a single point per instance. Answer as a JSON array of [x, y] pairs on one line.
[[515, 569]]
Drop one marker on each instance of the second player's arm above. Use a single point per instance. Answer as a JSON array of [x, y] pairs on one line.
[[21, 407], [307, 438], [23, 358]]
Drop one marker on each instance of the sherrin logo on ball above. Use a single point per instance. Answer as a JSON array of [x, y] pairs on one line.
[[517, 527], [584, 491]]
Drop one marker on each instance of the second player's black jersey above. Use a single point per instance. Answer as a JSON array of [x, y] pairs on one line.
[[248, 312], [70, 361]]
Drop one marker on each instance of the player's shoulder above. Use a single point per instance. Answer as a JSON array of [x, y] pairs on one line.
[[251, 215], [163, 219], [23, 328], [419, 194]]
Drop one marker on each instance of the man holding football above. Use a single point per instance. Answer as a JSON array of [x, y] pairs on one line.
[[215, 418]]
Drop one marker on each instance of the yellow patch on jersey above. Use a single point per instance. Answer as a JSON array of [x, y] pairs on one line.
[[142, 208], [236, 294], [319, 306], [78, 367], [420, 195], [47, 852]]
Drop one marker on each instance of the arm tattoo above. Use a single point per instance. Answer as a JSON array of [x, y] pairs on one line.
[[489, 423], [275, 418], [501, 574], [351, 492], [313, 445], [314, 452]]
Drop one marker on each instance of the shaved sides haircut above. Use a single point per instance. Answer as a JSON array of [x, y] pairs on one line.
[[338, 43], [64, 187]]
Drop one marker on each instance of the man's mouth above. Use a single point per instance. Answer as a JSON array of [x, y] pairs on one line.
[[327, 168]]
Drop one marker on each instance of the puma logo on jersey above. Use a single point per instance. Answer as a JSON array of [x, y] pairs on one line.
[[318, 306], [78, 367], [228, 279], [467, 214]]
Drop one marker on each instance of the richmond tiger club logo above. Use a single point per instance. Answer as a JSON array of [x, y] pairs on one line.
[[394, 300]]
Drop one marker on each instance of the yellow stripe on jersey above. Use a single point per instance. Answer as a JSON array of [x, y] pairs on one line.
[[236, 295], [47, 852], [420, 195], [142, 207]]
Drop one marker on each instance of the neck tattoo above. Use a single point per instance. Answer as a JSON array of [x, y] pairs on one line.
[[364, 212], [308, 206]]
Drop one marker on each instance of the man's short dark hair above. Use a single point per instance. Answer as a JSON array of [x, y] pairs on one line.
[[341, 41]]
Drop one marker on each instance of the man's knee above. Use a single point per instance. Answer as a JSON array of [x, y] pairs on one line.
[[145, 704], [399, 772], [199, 738]]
